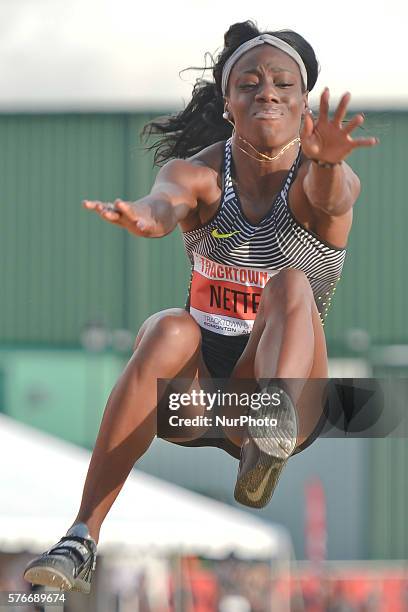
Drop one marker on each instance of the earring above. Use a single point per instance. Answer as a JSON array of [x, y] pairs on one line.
[[226, 116]]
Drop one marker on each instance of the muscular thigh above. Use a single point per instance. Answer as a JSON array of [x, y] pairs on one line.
[[193, 376], [310, 403], [244, 367]]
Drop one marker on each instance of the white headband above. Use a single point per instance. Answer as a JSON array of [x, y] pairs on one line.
[[260, 40]]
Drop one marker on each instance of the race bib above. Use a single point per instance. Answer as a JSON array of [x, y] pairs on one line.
[[225, 299]]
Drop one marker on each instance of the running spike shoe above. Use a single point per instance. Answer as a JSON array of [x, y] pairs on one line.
[[68, 565], [266, 449]]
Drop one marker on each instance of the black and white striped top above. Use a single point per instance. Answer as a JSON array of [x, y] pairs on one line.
[[232, 259]]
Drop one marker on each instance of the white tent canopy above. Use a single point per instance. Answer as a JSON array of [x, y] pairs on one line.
[[41, 484]]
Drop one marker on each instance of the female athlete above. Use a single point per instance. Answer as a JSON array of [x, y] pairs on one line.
[[263, 197]]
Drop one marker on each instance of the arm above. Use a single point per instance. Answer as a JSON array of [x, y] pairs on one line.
[[178, 186], [331, 190]]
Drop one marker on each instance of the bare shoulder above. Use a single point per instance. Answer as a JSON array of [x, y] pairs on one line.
[[210, 157], [332, 229], [196, 181], [198, 174]]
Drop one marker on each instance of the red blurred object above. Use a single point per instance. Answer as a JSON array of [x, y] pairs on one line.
[[380, 589], [315, 522], [199, 589]]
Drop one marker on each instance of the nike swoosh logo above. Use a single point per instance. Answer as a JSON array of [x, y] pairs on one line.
[[256, 495], [215, 234]]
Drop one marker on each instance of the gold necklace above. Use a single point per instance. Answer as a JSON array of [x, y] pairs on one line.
[[269, 159]]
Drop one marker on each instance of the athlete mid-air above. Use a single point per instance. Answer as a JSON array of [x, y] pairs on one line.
[[263, 197]]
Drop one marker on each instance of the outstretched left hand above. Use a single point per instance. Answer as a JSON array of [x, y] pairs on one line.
[[328, 140]]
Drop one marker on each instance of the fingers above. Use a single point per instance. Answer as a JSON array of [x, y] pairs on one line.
[[310, 137], [365, 142], [308, 125], [90, 205], [125, 208], [97, 205], [106, 210], [324, 105], [353, 123], [132, 215], [119, 213], [341, 109]]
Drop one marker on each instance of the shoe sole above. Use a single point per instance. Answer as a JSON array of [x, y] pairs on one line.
[[52, 577], [255, 488]]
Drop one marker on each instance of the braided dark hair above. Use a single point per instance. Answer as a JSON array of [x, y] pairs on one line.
[[201, 123]]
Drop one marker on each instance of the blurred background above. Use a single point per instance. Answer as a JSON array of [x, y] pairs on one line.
[[78, 81]]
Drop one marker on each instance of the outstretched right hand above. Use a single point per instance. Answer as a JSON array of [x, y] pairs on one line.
[[135, 217]]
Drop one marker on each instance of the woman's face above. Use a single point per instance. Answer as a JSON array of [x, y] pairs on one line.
[[265, 96]]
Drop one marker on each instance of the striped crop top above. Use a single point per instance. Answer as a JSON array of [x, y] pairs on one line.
[[232, 259]]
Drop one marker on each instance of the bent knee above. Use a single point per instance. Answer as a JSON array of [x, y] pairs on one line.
[[178, 327], [174, 326], [289, 279], [291, 286]]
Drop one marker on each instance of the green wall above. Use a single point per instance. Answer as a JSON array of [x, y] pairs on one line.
[[62, 266], [60, 392], [373, 292]]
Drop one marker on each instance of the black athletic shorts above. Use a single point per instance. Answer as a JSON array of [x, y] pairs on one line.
[[220, 354]]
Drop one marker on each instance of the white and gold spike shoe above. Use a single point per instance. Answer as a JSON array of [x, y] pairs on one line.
[[68, 565], [266, 449]]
